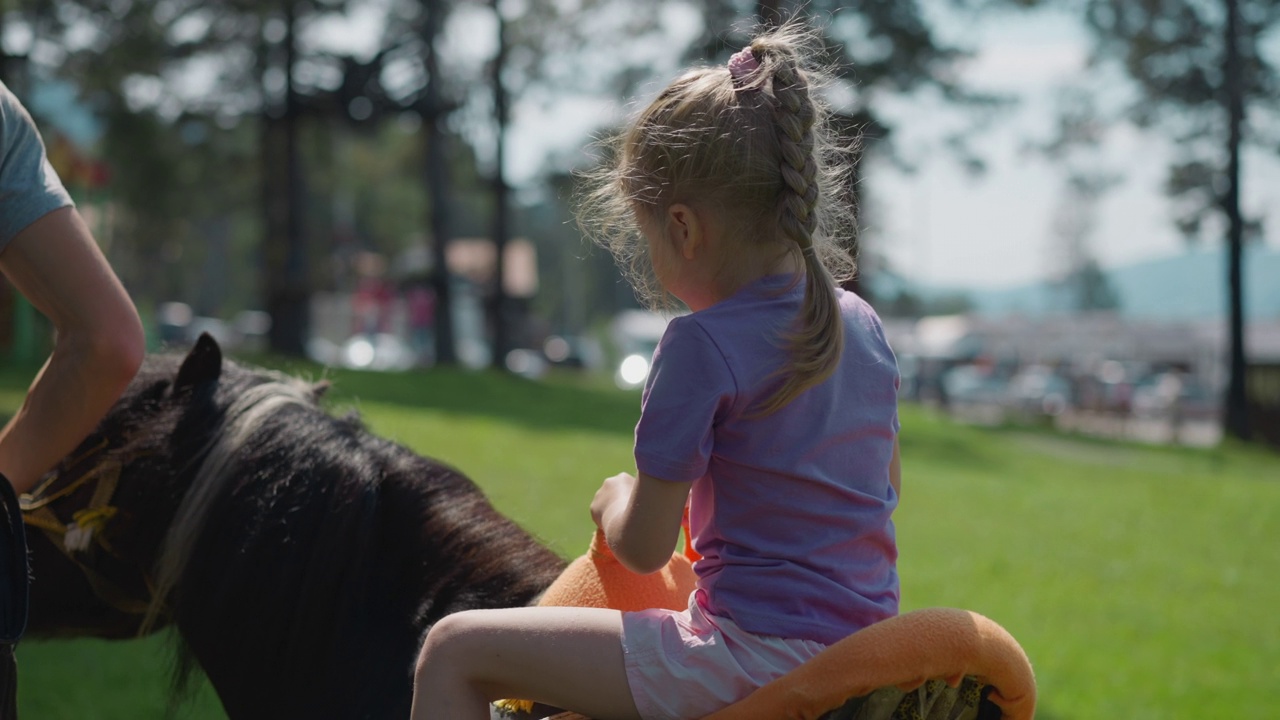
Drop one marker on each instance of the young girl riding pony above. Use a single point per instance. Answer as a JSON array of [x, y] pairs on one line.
[[771, 410]]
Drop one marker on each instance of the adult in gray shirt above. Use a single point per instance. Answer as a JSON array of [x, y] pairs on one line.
[[48, 254]]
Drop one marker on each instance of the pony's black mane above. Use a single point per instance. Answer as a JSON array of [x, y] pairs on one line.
[[319, 554]]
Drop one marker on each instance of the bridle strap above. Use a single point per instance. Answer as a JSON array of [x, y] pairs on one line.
[[37, 497], [88, 524]]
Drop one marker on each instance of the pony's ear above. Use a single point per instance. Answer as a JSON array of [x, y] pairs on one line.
[[202, 364]]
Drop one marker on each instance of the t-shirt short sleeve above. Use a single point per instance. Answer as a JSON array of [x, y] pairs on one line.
[[690, 388], [29, 187]]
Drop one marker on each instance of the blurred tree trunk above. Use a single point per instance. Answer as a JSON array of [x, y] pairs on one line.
[[501, 194], [285, 267], [433, 114], [1236, 422]]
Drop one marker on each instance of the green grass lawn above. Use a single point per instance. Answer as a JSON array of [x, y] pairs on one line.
[[1142, 582]]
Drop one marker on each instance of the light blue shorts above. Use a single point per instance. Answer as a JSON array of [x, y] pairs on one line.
[[686, 665]]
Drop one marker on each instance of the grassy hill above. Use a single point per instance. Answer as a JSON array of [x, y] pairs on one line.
[[1141, 581]]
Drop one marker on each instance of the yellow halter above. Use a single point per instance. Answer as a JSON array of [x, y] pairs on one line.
[[88, 524]]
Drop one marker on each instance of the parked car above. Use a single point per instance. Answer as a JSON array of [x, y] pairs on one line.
[[1036, 392], [1174, 396], [974, 393]]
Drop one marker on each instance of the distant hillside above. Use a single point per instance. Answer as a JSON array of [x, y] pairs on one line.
[[1190, 286]]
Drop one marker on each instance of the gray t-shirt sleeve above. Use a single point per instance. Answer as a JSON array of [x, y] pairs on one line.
[[29, 187]]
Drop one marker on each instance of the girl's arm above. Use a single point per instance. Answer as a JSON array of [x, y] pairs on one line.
[[641, 519], [56, 265]]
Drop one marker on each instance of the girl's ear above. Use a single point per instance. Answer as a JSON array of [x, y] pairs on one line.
[[685, 230]]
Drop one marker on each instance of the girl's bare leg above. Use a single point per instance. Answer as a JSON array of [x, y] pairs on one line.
[[570, 658]]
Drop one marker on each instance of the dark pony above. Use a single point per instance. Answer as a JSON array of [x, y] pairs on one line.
[[301, 558]]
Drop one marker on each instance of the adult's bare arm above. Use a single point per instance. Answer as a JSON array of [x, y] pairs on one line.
[[55, 263]]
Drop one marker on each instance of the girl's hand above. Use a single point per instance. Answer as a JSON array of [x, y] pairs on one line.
[[640, 518], [613, 490]]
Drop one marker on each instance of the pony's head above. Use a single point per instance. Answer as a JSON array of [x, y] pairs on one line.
[[120, 491]]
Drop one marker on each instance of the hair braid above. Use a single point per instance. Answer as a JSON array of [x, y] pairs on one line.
[[794, 115], [818, 340]]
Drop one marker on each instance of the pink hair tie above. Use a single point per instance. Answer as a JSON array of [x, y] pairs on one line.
[[742, 65]]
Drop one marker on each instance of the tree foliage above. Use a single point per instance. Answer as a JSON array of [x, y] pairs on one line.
[[1173, 52], [189, 91]]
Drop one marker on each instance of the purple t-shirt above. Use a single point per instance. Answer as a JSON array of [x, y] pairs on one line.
[[790, 511]]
